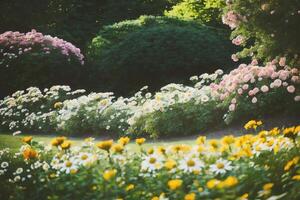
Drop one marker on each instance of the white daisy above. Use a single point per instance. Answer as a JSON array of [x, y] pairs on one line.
[[152, 162], [69, 166], [190, 164], [221, 166], [4, 165]]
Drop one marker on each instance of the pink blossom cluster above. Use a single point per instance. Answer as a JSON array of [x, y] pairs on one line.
[[232, 19], [16, 43], [251, 80], [238, 40]]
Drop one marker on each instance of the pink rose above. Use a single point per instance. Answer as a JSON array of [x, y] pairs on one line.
[[291, 89], [297, 98], [264, 88], [282, 61], [232, 107]]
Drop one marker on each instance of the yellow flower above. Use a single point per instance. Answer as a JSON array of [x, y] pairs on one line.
[[244, 196], [170, 164], [212, 183], [29, 153], [190, 196], [27, 139], [140, 141], [296, 177], [268, 186], [201, 140], [58, 105], [150, 151], [252, 124], [58, 141], [155, 198], [292, 162], [174, 184], [129, 187], [65, 145], [227, 140], [105, 145], [118, 148], [161, 150], [230, 181], [124, 140], [109, 174]]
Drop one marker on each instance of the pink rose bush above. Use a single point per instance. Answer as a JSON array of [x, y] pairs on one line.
[[14, 44], [252, 83]]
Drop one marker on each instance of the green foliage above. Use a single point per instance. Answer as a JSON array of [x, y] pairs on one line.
[[270, 27], [178, 120], [156, 50], [204, 11]]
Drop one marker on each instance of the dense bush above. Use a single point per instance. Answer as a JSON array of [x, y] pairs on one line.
[[205, 11], [263, 166], [34, 59], [156, 50], [215, 99], [266, 29]]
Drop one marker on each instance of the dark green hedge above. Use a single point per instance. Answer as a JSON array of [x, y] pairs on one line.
[[155, 51]]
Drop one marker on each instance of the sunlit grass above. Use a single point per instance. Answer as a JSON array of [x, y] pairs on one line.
[[14, 142]]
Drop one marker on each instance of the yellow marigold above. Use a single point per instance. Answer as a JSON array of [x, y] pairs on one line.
[[170, 164], [174, 184], [118, 148], [268, 186], [252, 124], [105, 145], [291, 163], [58, 141], [161, 150], [140, 141], [109, 174], [201, 140], [29, 153], [212, 183], [27, 139], [124, 140], [228, 139], [155, 198], [129, 187], [58, 105], [66, 145], [230, 181], [190, 196], [214, 143], [296, 177]]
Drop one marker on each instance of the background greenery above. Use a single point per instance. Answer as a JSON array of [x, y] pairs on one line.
[[79, 21]]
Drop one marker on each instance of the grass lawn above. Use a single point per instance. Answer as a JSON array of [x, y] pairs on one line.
[[14, 142]]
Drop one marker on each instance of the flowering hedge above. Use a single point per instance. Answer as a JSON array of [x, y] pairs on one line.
[[266, 29], [35, 59], [246, 92], [262, 166]]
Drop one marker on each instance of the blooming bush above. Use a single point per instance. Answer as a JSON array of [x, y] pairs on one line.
[[246, 92], [266, 29], [34, 110], [35, 59], [262, 166]]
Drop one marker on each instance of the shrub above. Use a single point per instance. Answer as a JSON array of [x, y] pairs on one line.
[[155, 51], [205, 11], [266, 29], [34, 59]]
